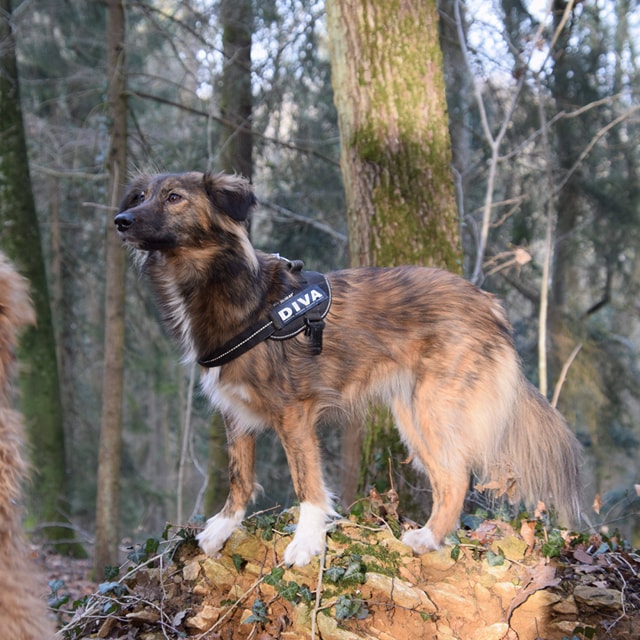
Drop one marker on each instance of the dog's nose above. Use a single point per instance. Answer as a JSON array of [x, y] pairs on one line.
[[124, 220]]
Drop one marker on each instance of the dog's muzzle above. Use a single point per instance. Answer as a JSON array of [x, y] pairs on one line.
[[124, 221]]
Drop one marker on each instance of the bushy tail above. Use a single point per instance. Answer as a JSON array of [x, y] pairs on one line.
[[544, 455], [22, 612]]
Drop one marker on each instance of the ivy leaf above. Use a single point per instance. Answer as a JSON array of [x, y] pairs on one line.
[[354, 572], [274, 577], [348, 607], [115, 588], [290, 592], [334, 573], [494, 559], [238, 562], [258, 613]]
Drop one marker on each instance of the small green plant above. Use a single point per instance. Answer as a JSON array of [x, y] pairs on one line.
[[347, 570], [288, 590], [582, 633], [258, 613], [553, 545], [347, 606], [142, 552], [56, 598]]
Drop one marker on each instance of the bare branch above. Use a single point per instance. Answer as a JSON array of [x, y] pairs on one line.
[[246, 127], [563, 374], [320, 226]]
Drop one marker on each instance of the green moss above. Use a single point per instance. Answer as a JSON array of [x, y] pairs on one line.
[[415, 221]]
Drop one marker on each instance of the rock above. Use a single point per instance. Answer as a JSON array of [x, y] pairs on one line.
[[217, 572], [512, 547], [598, 598], [393, 544], [329, 630], [301, 618], [495, 631], [438, 561], [450, 601], [191, 570], [566, 607], [244, 544], [204, 619], [400, 592], [506, 591]]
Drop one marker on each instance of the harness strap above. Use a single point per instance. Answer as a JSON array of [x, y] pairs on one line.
[[303, 309]]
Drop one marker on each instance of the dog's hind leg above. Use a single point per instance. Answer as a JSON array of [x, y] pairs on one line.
[[241, 487], [446, 467], [300, 442]]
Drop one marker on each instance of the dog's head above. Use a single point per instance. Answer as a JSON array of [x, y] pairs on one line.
[[182, 210]]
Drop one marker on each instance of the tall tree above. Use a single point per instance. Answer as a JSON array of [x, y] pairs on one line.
[[236, 156], [20, 238], [236, 99], [395, 149], [106, 548]]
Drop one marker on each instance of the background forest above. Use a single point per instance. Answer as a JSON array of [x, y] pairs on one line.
[[544, 118]]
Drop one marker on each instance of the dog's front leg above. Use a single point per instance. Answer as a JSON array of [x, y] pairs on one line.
[[300, 443], [241, 487]]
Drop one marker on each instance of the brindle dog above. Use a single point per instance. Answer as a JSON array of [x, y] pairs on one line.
[[434, 348]]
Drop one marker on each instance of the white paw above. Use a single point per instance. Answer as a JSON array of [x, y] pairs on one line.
[[212, 538], [420, 540], [309, 538]]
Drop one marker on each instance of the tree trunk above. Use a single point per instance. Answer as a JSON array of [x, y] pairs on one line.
[[387, 76], [20, 238], [236, 156], [236, 99], [107, 501], [389, 91]]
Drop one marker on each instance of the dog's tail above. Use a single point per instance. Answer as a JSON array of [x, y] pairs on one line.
[[543, 454], [22, 612]]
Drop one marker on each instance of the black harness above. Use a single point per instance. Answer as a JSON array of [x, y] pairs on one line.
[[304, 309]]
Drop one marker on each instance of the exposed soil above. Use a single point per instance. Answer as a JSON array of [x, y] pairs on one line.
[[494, 583]]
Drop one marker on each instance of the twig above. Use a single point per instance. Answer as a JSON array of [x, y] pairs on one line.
[[315, 224], [185, 440], [316, 607], [232, 609], [563, 374]]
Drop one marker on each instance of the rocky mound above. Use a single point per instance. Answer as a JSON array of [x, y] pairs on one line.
[[489, 584]]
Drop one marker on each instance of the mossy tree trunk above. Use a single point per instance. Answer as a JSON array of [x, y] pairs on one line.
[[389, 91], [38, 372], [108, 492]]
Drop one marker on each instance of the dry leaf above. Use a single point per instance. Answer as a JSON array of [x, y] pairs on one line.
[[542, 576], [597, 503], [580, 555], [528, 533], [541, 509], [521, 256]]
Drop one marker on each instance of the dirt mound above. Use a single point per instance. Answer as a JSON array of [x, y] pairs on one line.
[[489, 584]]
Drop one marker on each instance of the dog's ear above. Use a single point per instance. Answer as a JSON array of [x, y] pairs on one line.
[[232, 195]]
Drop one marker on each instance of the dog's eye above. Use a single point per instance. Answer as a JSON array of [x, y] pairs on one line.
[[174, 197], [138, 197]]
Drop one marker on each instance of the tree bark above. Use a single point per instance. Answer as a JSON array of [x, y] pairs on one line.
[[38, 375], [107, 501], [388, 82], [236, 156], [236, 99]]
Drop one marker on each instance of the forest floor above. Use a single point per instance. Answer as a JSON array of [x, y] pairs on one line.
[[497, 581]]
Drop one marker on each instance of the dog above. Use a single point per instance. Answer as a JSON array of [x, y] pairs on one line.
[[427, 343], [22, 613]]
